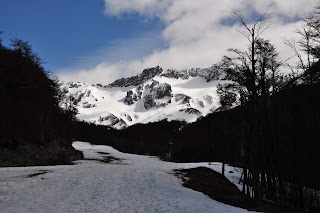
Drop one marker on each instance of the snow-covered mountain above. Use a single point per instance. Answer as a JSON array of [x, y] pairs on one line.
[[150, 96]]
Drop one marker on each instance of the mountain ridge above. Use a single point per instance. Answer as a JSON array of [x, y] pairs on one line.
[[150, 96]]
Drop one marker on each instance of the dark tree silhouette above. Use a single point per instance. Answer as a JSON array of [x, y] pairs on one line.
[[255, 73], [30, 110]]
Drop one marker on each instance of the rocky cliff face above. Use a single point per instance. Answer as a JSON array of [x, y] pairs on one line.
[[157, 95], [112, 120], [138, 79], [210, 74]]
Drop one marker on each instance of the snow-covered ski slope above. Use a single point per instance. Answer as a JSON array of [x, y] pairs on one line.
[[133, 184]]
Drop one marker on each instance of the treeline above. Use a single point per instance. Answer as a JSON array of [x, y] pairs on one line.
[[270, 128], [33, 126], [145, 139]]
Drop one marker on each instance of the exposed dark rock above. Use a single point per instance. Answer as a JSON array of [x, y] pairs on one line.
[[155, 92], [146, 74], [76, 98], [112, 120], [42, 172], [122, 123], [72, 85], [223, 108], [129, 98], [87, 93], [154, 83], [140, 88], [129, 118], [194, 72], [208, 99], [135, 97], [161, 105], [65, 90], [148, 101], [87, 105], [191, 111], [201, 103], [162, 90], [210, 74], [172, 73], [185, 98]]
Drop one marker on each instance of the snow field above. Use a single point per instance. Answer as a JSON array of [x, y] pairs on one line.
[[135, 184]]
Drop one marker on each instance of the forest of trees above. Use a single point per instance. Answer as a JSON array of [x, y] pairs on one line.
[[257, 79], [34, 128]]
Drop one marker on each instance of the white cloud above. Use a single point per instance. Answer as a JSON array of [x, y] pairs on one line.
[[102, 73], [194, 32], [143, 7], [297, 8]]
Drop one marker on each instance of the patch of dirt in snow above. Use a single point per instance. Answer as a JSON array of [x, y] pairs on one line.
[[41, 172], [104, 153], [107, 158], [219, 188]]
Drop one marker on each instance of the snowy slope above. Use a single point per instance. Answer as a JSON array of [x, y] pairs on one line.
[[134, 184], [150, 96]]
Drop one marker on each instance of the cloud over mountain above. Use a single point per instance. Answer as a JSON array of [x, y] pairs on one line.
[[197, 33]]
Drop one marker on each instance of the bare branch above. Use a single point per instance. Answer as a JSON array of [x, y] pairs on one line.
[[264, 29], [245, 35], [258, 25], [241, 19], [292, 45]]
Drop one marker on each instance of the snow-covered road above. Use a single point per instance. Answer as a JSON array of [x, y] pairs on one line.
[[134, 184]]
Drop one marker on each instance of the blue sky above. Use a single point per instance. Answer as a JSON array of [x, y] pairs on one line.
[[99, 41], [72, 33]]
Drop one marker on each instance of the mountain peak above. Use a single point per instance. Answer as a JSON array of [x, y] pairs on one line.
[[136, 80]]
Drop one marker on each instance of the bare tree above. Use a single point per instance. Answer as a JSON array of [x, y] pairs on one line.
[[307, 48], [255, 73], [252, 32]]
